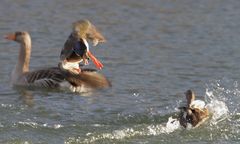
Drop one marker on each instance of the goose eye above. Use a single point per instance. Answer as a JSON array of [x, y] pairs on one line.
[[18, 33]]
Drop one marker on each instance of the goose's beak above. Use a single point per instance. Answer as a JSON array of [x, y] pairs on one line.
[[10, 37], [97, 63]]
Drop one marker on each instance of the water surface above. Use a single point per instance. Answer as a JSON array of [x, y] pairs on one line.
[[156, 50]]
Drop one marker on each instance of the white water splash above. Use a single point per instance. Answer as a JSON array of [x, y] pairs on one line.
[[223, 97], [217, 108], [221, 101], [116, 134], [150, 130], [172, 125]]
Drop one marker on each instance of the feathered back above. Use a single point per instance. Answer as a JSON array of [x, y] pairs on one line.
[[53, 77], [48, 78], [89, 78]]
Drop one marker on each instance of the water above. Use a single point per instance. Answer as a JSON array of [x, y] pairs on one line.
[[156, 50]]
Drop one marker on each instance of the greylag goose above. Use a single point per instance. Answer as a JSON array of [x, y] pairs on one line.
[[53, 77], [76, 48], [194, 113]]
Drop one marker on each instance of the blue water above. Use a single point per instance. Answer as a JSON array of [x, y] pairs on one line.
[[155, 51]]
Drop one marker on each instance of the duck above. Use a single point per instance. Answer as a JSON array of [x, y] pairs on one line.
[[52, 77], [194, 113], [76, 47]]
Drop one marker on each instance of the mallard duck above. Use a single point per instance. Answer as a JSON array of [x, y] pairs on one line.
[[76, 48], [53, 77], [194, 113]]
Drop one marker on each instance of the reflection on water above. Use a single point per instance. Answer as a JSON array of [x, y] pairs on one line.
[[27, 97], [155, 51]]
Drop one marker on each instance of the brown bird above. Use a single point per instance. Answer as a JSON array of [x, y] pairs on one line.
[[53, 77], [76, 48], [194, 113]]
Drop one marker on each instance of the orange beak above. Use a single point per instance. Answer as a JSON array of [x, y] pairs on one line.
[[97, 63], [10, 37]]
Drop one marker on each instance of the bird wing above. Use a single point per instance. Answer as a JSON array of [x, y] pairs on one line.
[[74, 49], [48, 78], [88, 77], [67, 48]]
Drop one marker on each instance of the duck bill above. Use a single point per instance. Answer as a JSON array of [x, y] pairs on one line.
[[97, 63], [10, 37]]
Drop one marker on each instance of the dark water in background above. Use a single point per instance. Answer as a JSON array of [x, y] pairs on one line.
[[156, 50]]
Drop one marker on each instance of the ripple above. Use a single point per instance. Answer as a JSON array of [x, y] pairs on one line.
[[165, 47], [36, 125], [7, 105]]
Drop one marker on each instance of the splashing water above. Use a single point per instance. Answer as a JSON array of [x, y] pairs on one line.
[[150, 130], [221, 99], [224, 97], [217, 108], [218, 100], [172, 125]]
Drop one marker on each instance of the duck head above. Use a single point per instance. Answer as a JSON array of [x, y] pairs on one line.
[[190, 96]]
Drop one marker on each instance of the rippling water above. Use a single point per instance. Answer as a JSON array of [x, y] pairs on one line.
[[156, 50]]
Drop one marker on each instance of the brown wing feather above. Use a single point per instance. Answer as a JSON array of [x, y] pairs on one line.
[[52, 77], [89, 78]]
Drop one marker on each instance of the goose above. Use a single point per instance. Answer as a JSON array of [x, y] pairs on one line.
[[53, 77], [194, 113], [76, 47]]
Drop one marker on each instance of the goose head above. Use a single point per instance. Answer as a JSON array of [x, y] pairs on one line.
[[19, 36]]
